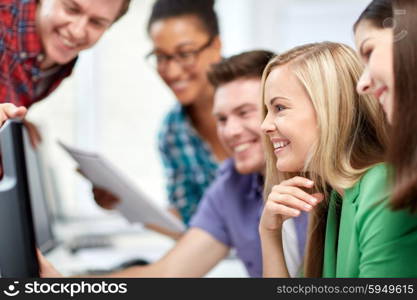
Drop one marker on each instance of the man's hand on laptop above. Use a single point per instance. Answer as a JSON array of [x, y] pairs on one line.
[[104, 198], [46, 269], [11, 111]]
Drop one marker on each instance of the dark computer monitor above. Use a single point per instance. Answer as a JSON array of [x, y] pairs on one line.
[[17, 235]]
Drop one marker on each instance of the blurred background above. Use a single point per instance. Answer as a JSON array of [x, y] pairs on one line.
[[114, 102]]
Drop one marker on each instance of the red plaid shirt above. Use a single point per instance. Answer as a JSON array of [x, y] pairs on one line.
[[20, 54]]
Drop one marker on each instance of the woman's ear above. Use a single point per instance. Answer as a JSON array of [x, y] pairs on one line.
[[217, 44]]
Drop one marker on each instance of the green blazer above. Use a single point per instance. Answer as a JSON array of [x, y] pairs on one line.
[[364, 238]]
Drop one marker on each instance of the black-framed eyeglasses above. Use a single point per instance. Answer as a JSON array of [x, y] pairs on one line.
[[186, 59]]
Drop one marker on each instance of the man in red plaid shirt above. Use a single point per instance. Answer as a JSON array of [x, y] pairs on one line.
[[41, 39]]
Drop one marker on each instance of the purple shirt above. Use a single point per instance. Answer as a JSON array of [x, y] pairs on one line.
[[230, 211]]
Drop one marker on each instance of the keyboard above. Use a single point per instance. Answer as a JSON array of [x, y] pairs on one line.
[[89, 242]]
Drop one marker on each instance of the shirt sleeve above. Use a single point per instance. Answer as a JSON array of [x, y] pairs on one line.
[[387, 239], [209, 217], [3, 64]]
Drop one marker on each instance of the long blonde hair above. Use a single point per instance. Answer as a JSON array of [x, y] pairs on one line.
[[352, 133]]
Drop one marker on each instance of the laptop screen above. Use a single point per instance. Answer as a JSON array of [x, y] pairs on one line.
[[37, 186]]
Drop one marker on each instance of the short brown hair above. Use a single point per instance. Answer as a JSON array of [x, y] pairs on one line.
[[123, 9], [245, 65]]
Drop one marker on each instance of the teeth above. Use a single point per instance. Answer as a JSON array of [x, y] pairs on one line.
[[279, 145], [68, 43], [179, 84], [242, 147]]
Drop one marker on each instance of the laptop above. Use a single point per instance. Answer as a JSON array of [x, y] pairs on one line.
[[67, 251]]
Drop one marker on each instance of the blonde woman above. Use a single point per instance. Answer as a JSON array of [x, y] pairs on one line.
[[325, 147]]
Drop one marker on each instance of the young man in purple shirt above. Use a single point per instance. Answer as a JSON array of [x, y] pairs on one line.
[[229, 213]]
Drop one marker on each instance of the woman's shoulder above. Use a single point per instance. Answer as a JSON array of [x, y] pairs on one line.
[[376, 175], [374, 191], [382, 230], [174, 115], [173, 121], [372, 188]]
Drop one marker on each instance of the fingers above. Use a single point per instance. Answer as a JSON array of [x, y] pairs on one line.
[[34, 134], [39, 254], [79, 171], [287, 200], [175, 212], [296, 192], [274, 215], [46, 269], [11, 111], [293, 202], [104, 198], [318, 196], [298, 181], [283, 210], [289, 194], [18, 113]]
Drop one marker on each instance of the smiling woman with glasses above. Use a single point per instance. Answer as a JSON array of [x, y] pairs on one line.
[[185, 38]]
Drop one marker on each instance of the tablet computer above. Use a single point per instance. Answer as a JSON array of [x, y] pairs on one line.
[[135, 205]]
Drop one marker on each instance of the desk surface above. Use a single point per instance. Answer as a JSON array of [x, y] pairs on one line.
[[129, 242]]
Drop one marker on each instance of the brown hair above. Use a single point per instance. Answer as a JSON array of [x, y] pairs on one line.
[[352, 131], [402, 151], [123, 9], [378, 12], [249, 64], [203, 10]]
